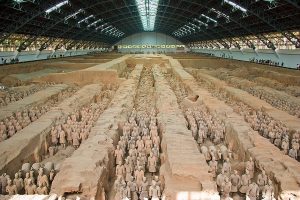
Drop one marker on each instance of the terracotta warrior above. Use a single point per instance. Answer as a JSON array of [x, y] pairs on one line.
[[140, 144], [235, 181], [54, 136], [285, 146], [293, 153], [27, 177], [250, 167], [253, 191], [31, 173], [30, 188], [152, 163], [62, 138], [144, 189], [128, 170], [51, 150], [213, 166], [226, 167], [3, 181], [42, 179], [18, 182], [245, 181], [226, 187], [133, 189], [262, 180], [220, 179], [120, 171], [139, 175], [154, 191], [42, 190], [75, 139], [268, 191], [119, 155], [11, 189]]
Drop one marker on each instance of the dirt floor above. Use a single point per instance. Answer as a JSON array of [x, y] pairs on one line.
[[116, 126]]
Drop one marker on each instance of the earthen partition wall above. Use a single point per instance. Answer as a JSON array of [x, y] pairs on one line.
[[185, 170]]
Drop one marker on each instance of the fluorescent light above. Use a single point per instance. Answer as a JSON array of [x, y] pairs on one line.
[[85, 19], [220, 14], [74, 14], [57, 6], [101, 26], [94, 23], [236, 6], [147, 10], [209, 18], [200, 22]]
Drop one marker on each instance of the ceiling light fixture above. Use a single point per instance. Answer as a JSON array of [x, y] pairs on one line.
[[234, 5], [57, 6]]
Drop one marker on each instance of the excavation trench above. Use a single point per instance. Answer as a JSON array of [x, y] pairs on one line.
[[36, 99], [276, 130], [245, 142], [29, 112], [278, 99], [208, 130], [52, 153], [138, 152], [30, 145], [88, 173]]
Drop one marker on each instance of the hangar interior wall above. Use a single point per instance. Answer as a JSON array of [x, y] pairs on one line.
[[149, 39], [26, 56], [290, 57]]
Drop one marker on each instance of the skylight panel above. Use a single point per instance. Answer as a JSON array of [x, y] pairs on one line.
[[57, 6], [236, 6], [147, 10]]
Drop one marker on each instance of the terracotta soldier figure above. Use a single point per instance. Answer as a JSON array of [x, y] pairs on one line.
[[3, 181], [245, 181], [144, 189], [226, 187], [75, 139], [154, 191], [119, 155], [250, 167], [139, 175], [253, 191], [235, 181], [54, 136], [11, 189], [133, 189], [62, 138], [220, 179], [262, 180], [213, 166], [27, 177], [268, 191], [31, 188], [18, 182], [152, 163]]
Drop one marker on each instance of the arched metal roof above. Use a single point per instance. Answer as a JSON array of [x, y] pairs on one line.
[[187, 20]]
